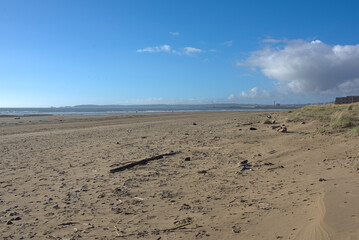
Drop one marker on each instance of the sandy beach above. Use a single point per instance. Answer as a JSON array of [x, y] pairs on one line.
[[55, 180]]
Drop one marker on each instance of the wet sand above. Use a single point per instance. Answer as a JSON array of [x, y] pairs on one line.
[[55, 180]]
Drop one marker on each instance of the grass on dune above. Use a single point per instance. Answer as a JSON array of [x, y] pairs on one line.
[[343, 118]]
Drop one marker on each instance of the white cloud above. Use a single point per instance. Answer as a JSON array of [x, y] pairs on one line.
[[254, 93], [231, 97], [162, 48], [191, 50], [174, 33], [310, 67], [272, 40], [250, 96], [227, 43]]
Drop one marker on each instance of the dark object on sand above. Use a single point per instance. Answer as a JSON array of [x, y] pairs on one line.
[[273, 168], [141, 162], [68, 223], [246, 167], [268, 164], [187, 159], [252, 128], [322, 179], [282, 129], [194, 124], [236, 229], [203, 171], [245, 162]]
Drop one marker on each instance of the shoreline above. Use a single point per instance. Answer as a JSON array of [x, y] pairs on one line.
[[99, 113]]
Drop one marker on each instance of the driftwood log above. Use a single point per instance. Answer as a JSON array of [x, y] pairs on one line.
[[141, 162], [273, 168]]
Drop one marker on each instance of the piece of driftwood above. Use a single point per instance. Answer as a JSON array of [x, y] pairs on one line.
[[141, 162], [68, 223], [273, 168]]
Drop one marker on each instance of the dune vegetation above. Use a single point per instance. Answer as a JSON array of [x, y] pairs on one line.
[[335, 118]]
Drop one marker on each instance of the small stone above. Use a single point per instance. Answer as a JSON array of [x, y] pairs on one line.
[[322, 179], [194, 124], [264, 206], [9, 223], [185, 207], [282, 129], [187, 159], [252, 128], [55, 206], [236, 229], [117, 142]]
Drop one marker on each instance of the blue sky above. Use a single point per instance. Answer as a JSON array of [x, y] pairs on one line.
[[59, 53]]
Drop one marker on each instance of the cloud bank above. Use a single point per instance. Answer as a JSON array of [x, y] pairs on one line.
[[309, 67]]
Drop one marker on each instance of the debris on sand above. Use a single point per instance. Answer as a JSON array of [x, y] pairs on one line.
[[141, 162], [282, 129], [236, 228]]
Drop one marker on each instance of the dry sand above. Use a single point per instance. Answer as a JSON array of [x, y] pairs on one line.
[[55, 181]]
